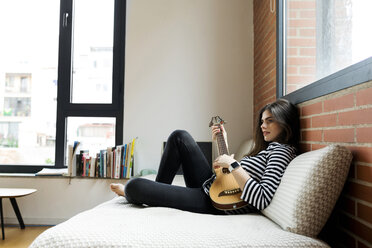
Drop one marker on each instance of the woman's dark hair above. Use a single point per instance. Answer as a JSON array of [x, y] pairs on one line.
[[286, 115]]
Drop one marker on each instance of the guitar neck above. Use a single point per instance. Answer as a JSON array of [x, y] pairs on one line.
[[221, 144]]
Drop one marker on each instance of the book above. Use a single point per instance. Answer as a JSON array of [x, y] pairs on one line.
[[71, 163], [123, 161], [131, 162], [109, 157], [92, 167], [127, 157]]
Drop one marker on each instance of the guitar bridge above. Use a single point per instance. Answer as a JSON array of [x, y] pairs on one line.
[[230, 192]]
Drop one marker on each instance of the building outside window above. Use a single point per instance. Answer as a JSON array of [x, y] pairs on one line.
[[321, 38], [60, 83]]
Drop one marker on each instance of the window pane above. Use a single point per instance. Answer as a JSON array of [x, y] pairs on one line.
[[323, 37], [92, 53], [28, 81], [93, 133]]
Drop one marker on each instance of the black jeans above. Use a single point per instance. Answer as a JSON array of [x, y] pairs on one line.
[[180, 150]]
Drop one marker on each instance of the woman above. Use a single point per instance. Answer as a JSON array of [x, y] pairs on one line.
[[258, 174]]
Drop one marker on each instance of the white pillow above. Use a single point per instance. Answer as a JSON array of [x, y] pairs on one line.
[[244, 149], [309, 190]]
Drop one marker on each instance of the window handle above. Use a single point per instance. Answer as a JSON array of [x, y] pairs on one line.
[[65, 20]]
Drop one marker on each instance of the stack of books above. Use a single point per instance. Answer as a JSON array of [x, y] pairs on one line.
[[113, 162]]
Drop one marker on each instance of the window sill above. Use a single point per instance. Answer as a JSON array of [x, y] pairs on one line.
[[28, 175]]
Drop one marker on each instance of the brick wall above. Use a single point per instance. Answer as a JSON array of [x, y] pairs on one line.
[[264, 54], [344, 117], [301, 44]]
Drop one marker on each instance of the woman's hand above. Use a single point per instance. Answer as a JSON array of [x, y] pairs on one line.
[[223, 161], [216, 130]]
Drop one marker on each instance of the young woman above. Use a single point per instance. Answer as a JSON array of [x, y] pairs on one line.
[[258, 174]]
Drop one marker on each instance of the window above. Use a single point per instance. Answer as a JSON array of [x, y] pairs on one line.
[[321, 44], [61, 79]]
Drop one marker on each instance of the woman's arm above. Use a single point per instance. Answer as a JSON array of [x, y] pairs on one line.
[[259, 192], [241, 176]]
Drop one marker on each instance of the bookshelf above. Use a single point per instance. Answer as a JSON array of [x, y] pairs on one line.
[[112, 162]]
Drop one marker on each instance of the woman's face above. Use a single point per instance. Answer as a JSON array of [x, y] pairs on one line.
[[270, 127]]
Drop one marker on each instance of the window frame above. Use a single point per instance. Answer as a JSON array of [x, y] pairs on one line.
[[352, 75], [67, 109]]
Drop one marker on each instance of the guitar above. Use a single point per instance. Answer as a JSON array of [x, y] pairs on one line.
[[224, 191]]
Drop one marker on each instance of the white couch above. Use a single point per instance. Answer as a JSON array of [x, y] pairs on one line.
[[299, 209]]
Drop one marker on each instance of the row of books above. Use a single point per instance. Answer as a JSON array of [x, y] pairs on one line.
[[113, 162]]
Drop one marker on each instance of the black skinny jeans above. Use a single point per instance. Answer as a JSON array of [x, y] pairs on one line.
[[180, 150]]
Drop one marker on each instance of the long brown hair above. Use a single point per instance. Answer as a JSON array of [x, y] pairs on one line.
[[286, 115]]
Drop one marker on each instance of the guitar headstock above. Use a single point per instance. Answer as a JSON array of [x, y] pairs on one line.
[[216, 120]]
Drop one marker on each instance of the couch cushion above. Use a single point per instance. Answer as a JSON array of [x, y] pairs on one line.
[[244, 148], [118, 224], [309, 190]]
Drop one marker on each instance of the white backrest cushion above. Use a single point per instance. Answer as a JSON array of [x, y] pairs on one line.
[[244, 148], [309, 190]]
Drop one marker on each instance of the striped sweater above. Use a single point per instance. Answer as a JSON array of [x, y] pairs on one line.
[[266, 170]]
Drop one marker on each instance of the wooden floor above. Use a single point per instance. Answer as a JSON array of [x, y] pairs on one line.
[[19, 238]]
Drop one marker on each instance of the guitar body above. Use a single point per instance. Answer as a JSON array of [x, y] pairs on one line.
[[224, 191]]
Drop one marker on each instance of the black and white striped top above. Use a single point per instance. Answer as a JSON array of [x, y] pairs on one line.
[[266, 170]]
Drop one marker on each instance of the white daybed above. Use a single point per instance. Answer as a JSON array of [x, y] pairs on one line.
[[297, 213]]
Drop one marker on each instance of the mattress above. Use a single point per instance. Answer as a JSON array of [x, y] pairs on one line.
[[116, 223]]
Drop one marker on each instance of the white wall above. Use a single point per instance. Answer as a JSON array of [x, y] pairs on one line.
[[56, 199], [186, 61]]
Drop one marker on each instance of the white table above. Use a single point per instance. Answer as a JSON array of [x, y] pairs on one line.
[[13, 193]]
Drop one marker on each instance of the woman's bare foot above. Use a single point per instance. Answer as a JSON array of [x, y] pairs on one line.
[[117, 188]]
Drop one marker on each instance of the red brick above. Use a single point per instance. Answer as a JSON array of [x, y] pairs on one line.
[[364, 97], [364, 212], [301, 42], [317, 146], [291, 87], [364, 135], [293, 14], [348, 205], [302, 5], [301, 61], [364, 173], [324, 121], [292, 52], [308, 70], [308, 14], [339, 135], [338, 103], [307, 51], [360, 191], [315, 135], [302, 23], [361, 116], [352, 172], [361, 154], [292, 70], [298, 80], [305, 122], [315, 108], [356, 227], [308, 32], [292, 32]]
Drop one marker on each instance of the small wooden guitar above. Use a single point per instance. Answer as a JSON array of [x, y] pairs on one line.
[[224, 191]]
